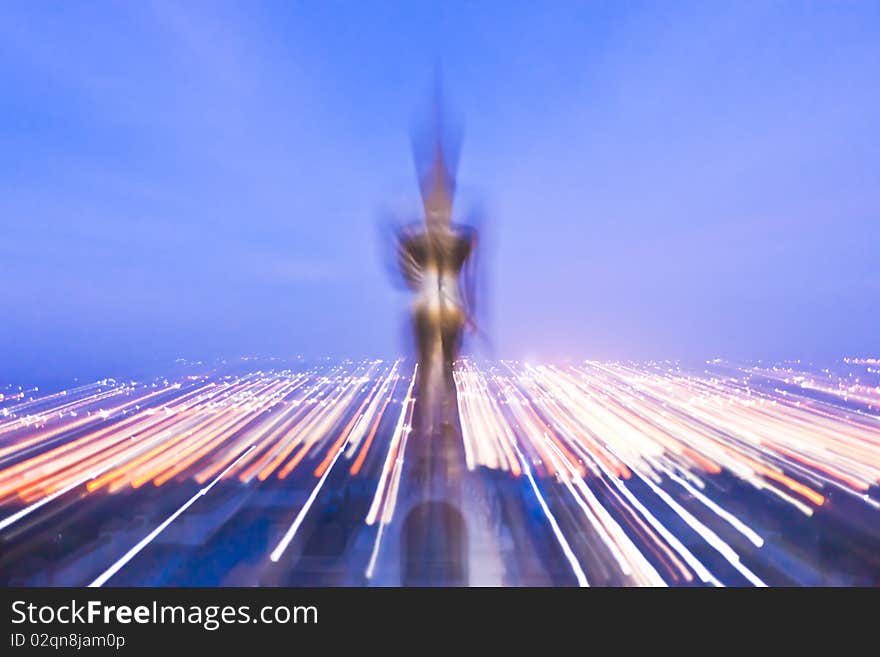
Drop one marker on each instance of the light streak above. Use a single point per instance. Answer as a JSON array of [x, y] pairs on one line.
[[132, 553], [388, 499], [294, 527], [563, 542]]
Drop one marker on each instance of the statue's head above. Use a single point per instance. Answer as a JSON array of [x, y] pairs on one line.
[[438, 189], [435, 150]]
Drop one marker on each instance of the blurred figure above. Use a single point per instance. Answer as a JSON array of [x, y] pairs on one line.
[[432, 258]]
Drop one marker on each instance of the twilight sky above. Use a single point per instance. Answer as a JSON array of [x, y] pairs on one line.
[[660, 179]]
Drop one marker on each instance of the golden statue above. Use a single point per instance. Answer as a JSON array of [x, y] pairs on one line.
[[432, 258]]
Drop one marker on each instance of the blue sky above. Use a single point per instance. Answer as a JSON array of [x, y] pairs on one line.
[[660, 179]]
